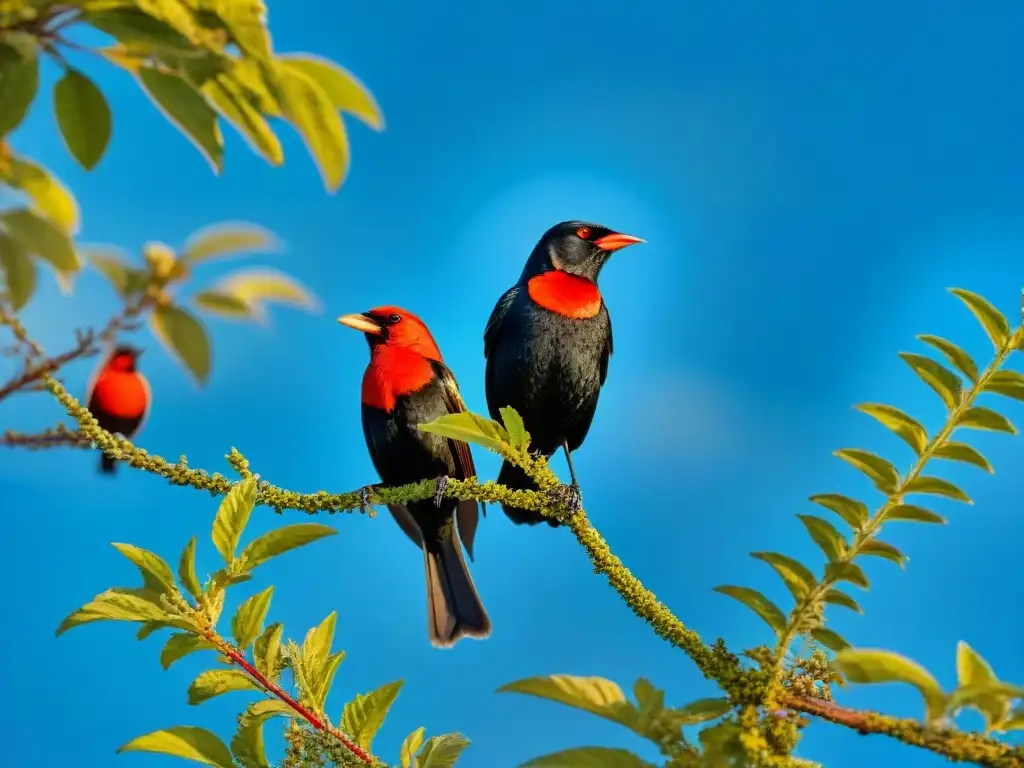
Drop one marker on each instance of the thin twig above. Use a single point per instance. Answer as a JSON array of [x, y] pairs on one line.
[[53, 437]]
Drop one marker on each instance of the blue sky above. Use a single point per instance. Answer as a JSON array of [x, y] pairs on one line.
[[810, 179]]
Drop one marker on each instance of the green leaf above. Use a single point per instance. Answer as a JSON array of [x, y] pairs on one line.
[[936, 486], [309, 110], [831, 640], [83, 117], [996, 326], [267, 650], [321, 685], [111, 265], [797, 577], [136, 29], [19, 271], [316, 647], [442, 751], [281, 540], [877, 548], [19, 78], [410, 746], [181, 333], [1006, 383], [518, 437], [825, 536], [993, 700], [147, 628], [247, 623], [595, 695], [469, 427], [116, 605], [854, 512], [837, 597], [187, 742], [246, 23], [187, 570], [589, 757], [257, 287], [699, 711], [222, 304], [955, 451], [364, 716], [914, 514], [1014, 723], [877, 666], [847, 571], [181, 644], [883, 474], [341, 87], [758, 603], [911, 431], [156, 573], [973, 670], [42, 237], [49, 197], [187, 109], [956, 355], [214, 682], [232, 517], [946, 384], [247, 744], [231, 101], [985, 419], [231, 238]]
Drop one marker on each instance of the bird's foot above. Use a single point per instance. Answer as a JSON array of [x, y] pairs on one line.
[[442, 482], [570, 496], [364, 498]]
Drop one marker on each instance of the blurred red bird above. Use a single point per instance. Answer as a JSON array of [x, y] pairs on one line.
[[119, 397], [407, 384]]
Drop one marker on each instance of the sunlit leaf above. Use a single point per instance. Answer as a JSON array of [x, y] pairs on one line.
[[247, 743], [883, 474], [223, 304], [83, 117], [877, 666], [906, 427], [758, 603], [595, 695], [117, 605], [854, 512], [316, 648], [184, 337], [232, 517], [42, 237], [156, 573], [187, 569], [341, 86], [246, 22], [837, 597], [877, 548], [825, 536], [956, 355], [955, 451], [281, 540], [231, 238], [946, 384], [187, 109], [589, 757], [410, 746], [914, 514], [229, 99], [797, 577], [214, 682], [1014, 723], [518, 437], [992, 320], [181, 644], [442, 751], [147, 628], [1006, 383], [19, 271], [936, 486], [973, 670], [364, 716], [19, 78], [190, 743], [258, 287], [847, 571], [109, 262], [247, 622], [267, 650], [699, 711], [135, 28], [48, 195], [469, 427], [985, 419], [321, 684], [831, 640]]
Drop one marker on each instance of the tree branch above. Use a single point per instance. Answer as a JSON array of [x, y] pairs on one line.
[[52, 437]]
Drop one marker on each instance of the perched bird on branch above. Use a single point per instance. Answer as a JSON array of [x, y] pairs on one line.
[[406, 384], [547, 344], [119, 397]]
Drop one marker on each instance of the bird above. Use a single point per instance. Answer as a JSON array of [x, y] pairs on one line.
[[119, 397], [406, 384], [547, 345]]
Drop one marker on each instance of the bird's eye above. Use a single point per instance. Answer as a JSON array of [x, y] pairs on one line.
[[394, 318], [583, 232]]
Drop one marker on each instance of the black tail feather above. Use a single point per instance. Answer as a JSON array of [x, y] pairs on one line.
[[515, 478], [454, 608], [108, 466]]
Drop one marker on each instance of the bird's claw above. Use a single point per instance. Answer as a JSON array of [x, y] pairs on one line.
[[364, 498], [439, 493], [574, 500]]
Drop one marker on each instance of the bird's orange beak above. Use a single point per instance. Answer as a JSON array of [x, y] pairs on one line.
[[363, 323], [615, 241]]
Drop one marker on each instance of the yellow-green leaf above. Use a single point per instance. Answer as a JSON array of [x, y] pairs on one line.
[[1006, 383], [956, 355], [309, 110], [49, 197], [831, 640], [469, 427], [758, 603], [110, 263], [156, 573], [281, 540], [943, 381], [906, 427], [797, 577], [914, 514], [187, 569], [19, 78], [595, 695], [876, 666], [699, 711], [247, 743], [341, 87], [992, 320], [985, 419], [518, 437], [187, 109], [1014, 723], [321, 684], [181, 644], [83, 117], [222, 304], [971, 667], [589, 757], [993, 700], [838, 597], [19, 271], [214, 682], [117, 605], [136, 29], [42, 237], [256, 287], [847, 571], [936, 486], [231, 238], [878, 548], [267, 650], [230, 100], [825, 536], [955, 451], [316, 647], [246, 21], [187, 742], [181, 333], [410, 746], [247, 622], [442, 751], [883, 474], [232, 517], [364, 716], [854, 512]]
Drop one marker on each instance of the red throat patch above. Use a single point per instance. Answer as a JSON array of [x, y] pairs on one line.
[[394, 372], [564, 294]]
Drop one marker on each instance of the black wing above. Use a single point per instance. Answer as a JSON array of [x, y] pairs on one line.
[[495, 321], [606, 353]]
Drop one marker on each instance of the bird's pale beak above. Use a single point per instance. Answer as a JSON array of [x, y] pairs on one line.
[[362, 323], [615, 241]]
